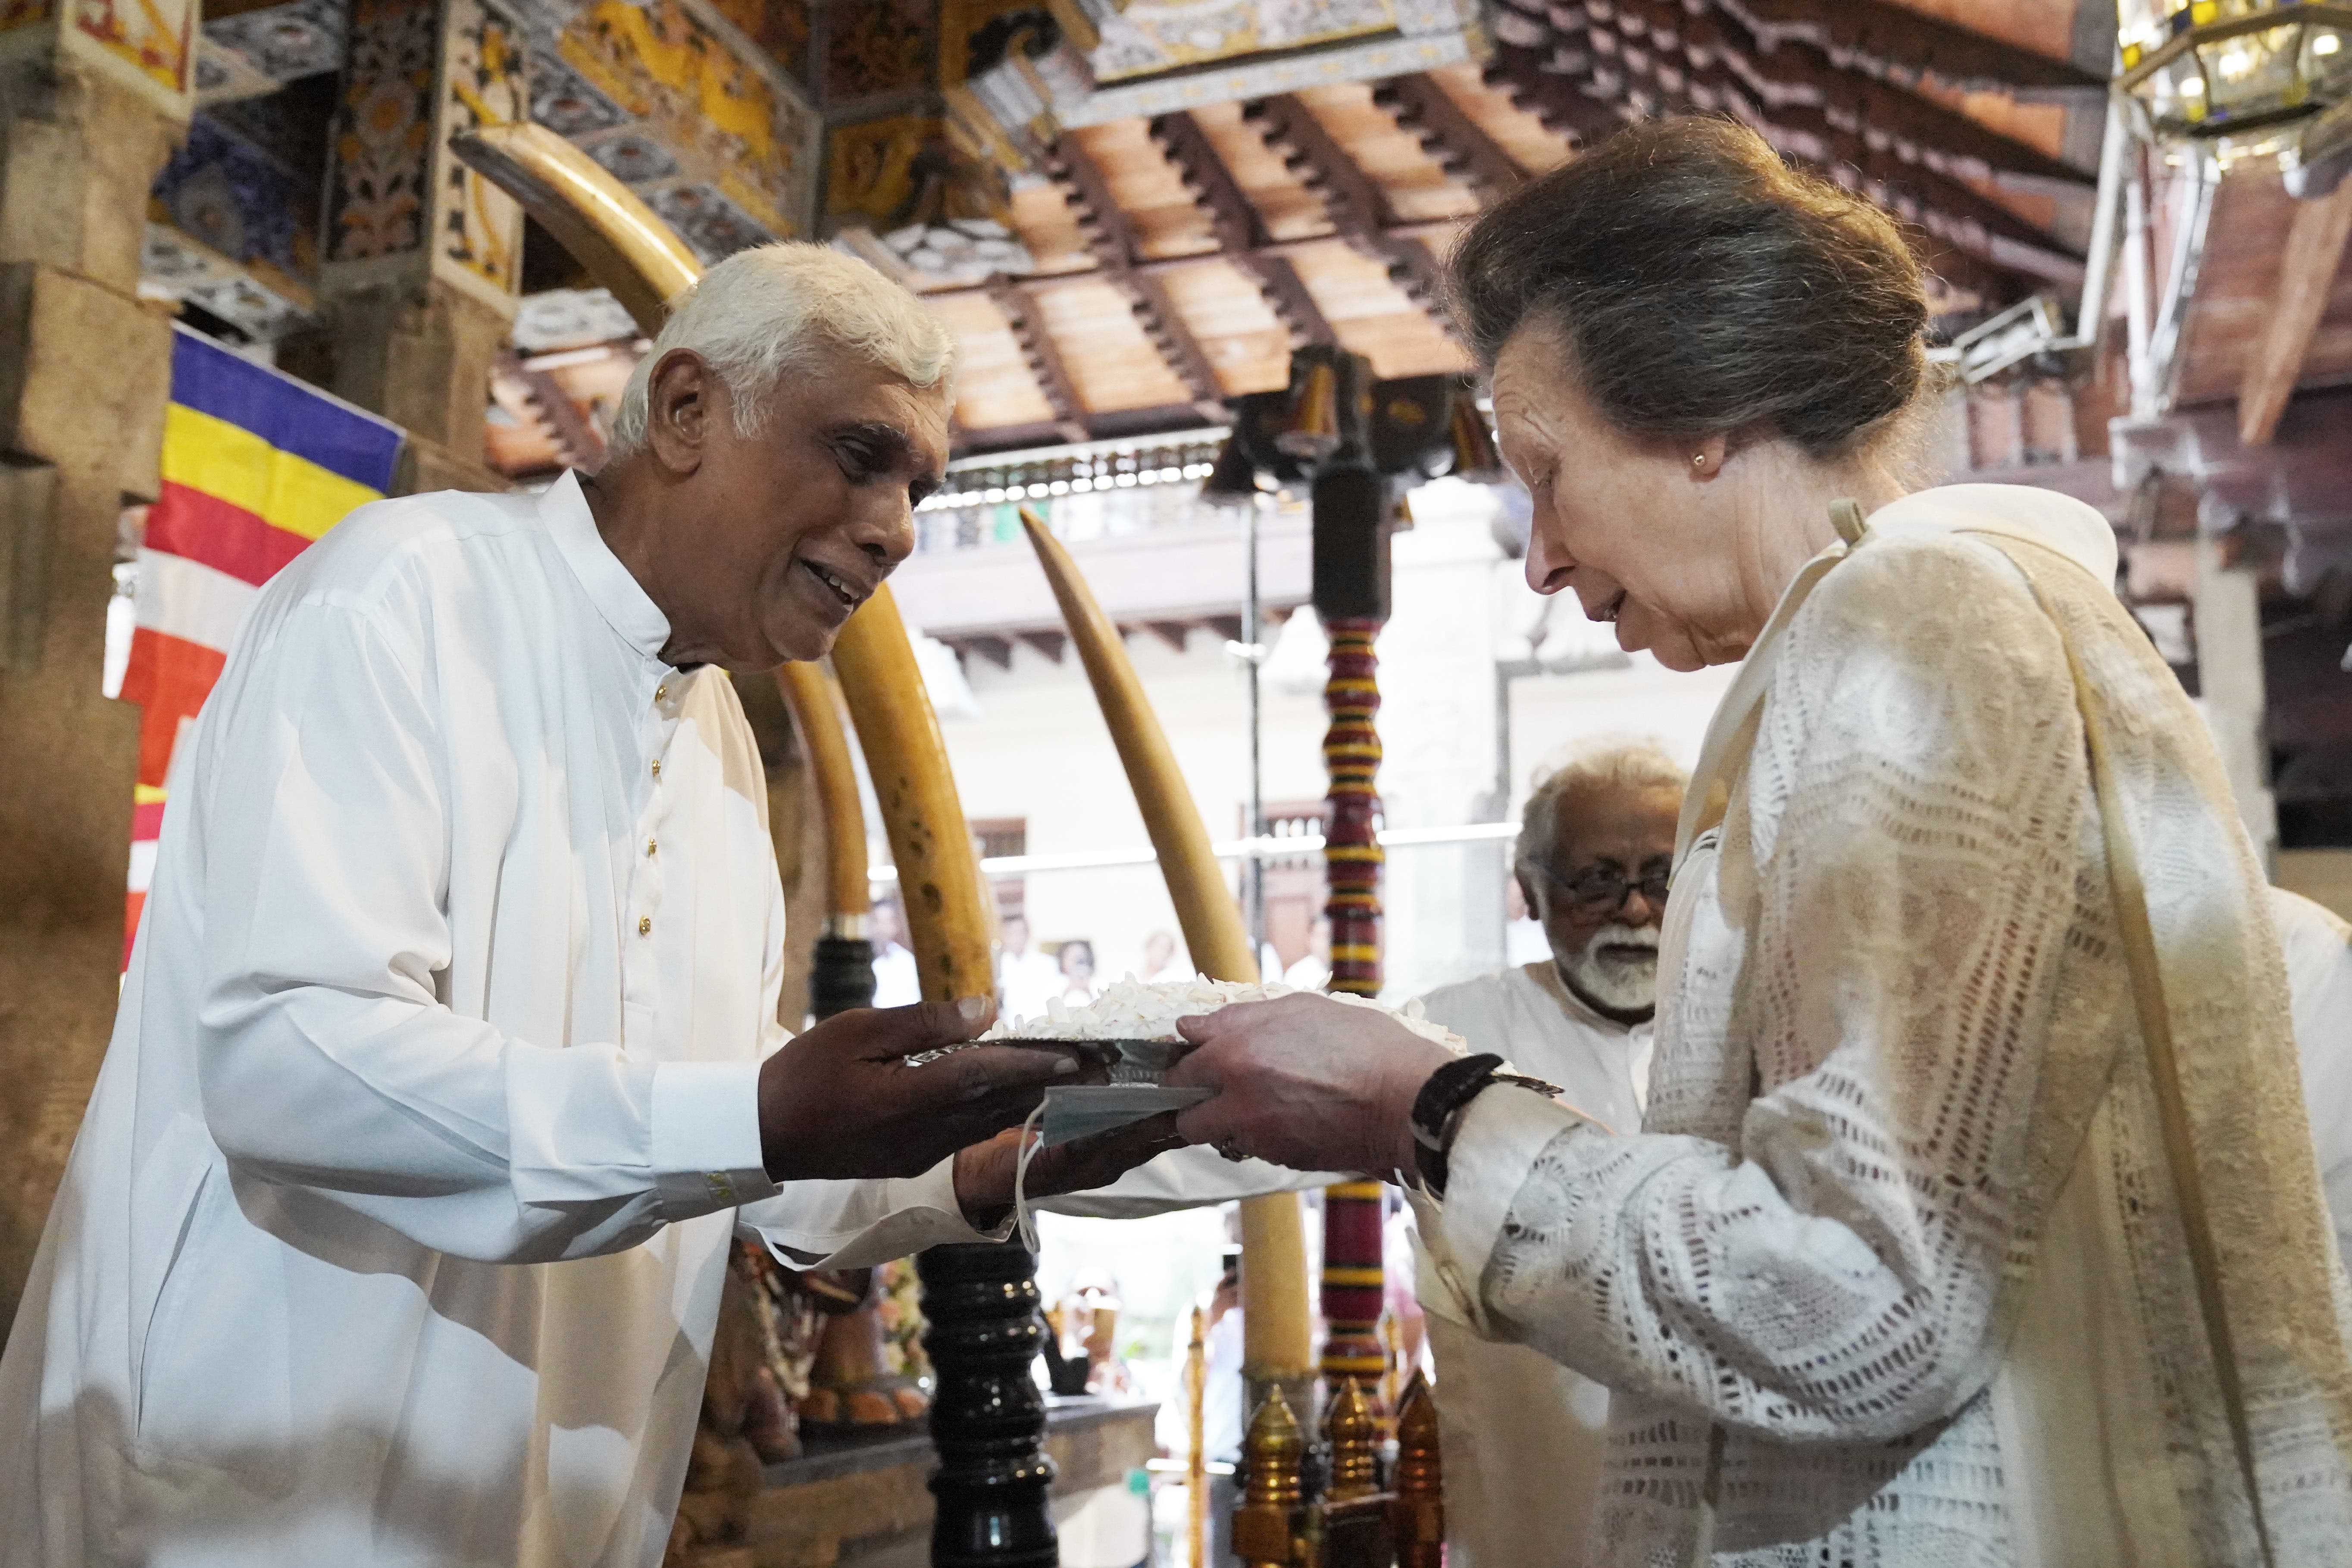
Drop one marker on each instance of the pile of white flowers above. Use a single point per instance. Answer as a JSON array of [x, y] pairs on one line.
[[1132, 1010]]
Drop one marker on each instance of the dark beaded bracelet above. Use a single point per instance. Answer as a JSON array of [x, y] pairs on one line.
[[1441, 1099]]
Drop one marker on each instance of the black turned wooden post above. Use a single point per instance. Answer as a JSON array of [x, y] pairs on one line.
[[988, 1417], [841, 975]]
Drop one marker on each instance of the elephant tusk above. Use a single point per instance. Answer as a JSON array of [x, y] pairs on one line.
[[1274, 1246]]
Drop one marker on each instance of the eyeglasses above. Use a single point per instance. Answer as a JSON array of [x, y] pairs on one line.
[[1599, 890]]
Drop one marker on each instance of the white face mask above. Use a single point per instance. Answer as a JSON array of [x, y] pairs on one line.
[[1625, 983]]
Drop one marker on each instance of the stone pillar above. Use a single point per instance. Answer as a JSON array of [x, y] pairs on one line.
[[422, 255], [88, 119], [2225, 602]]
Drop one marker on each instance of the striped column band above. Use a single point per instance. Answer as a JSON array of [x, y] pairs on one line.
[[1351, 848]]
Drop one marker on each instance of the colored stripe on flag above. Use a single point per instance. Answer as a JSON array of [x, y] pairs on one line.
[[283, 412], [255, 465]]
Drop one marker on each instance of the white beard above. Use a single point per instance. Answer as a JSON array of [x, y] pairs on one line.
[[1620, 983]]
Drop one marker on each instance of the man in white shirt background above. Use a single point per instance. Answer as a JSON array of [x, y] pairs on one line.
[[447, 1061], [1026, 979], [1523, 1435], [897, 982]]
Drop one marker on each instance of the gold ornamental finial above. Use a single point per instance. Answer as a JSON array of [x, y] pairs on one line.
[[1421, 1471], [1264, 1529], [1354, 1437], [1417, 1514], [1272, 1450]]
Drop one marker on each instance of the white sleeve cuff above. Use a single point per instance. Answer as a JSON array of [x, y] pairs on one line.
[[705, 1137], [1502, 1133], [849, 1225]]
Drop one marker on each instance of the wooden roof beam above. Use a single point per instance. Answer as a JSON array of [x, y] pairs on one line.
[[1161, 323], [1357, 206], [1546, 91], [1459, 144], [1232, 215], [2315, 253], [1038, 346], [579, 442], [1048, 643], [1948, 141], [1107, 233], [1890, 40], [1935, 201], [1285, 294], [1353, 203]]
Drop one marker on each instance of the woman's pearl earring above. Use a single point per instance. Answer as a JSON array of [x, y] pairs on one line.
[[1699, 460]]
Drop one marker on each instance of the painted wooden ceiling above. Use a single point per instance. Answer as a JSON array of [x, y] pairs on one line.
[[1177, 257]]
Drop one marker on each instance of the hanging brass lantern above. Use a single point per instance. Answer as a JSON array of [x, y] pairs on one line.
[[2241, 79], [1314, 431], [1475, 455], [1233, 481]]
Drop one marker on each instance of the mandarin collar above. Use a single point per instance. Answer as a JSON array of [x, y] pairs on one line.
[[623, 602]]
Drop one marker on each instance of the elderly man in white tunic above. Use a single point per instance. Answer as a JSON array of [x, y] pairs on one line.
[[1974, 1218], [1523, 1433], [448, 1063]]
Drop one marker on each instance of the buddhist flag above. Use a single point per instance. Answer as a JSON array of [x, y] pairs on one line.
[[255, 465]]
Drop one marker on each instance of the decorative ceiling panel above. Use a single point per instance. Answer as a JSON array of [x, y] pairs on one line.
[[1415, 186], [1147, 190], [994, 386], [1495, 110], [1154, 35], [1370, 315], [1243, 340], [1112, 365], [1289, 208], [1048, 229]]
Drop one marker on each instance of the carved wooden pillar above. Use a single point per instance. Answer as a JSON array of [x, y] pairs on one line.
[[93, 101], [988, 1418], [422, 254]]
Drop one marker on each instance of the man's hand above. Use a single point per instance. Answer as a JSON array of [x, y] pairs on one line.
[[984, 1173], [840, 1102], [1306, 1082]]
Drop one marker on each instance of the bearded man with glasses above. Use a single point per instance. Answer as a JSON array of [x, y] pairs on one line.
[[1523, 1435]]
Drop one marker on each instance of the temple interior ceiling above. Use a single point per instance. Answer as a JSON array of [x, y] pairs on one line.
[[1128, 211]]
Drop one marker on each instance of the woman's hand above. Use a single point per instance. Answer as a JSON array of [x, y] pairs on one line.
[[1306, 1082]]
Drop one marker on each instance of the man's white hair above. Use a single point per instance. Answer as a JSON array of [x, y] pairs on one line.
[[1622, 765], [784, 310]]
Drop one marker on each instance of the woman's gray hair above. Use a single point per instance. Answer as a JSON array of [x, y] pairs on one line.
[[1604, 765], [784, 309]]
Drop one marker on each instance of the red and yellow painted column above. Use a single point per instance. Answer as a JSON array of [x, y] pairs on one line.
[[1351, 596], [1353, 1264]]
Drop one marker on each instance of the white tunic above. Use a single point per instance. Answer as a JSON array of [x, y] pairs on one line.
[[2317, 946], [1523, 1435], [395, 1229], [1895, 1263]]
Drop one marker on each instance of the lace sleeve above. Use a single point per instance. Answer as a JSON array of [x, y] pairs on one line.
[[1914, 814]]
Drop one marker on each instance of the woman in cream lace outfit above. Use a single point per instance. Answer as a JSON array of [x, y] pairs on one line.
[[1897, 1271]]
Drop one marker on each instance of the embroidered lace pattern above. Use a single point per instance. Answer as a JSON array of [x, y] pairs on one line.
[[1901, 1004]]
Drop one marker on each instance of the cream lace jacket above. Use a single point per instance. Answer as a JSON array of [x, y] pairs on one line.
[[1898, 1240]]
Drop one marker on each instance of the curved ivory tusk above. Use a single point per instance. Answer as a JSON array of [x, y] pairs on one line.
[[1213, 932], [604, 226], [1273, 1247], [815, 704], [938, 873], [630, 251]]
